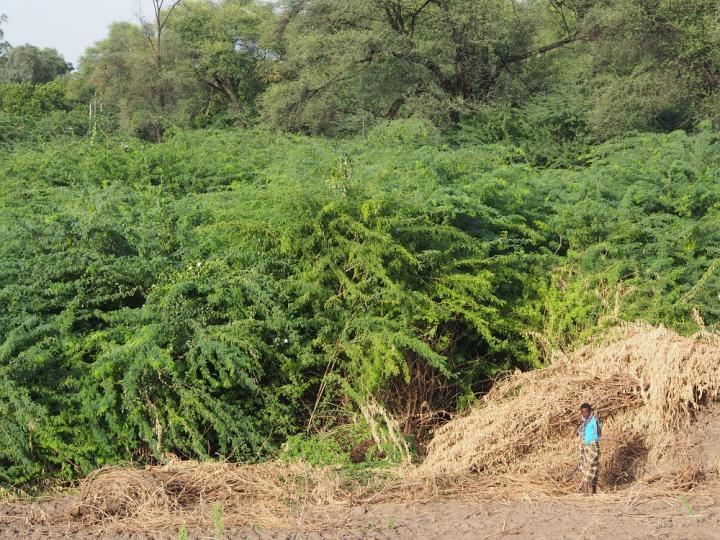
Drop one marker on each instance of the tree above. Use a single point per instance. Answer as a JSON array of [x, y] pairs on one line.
[[28, 63], [191, 61], [653, 65], [3, 44], [153, 32], [225, 47], [137, 69], [124, 70], [366, 59]]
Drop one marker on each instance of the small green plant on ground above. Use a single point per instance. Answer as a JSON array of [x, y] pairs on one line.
[[686, 503], [217, 519]]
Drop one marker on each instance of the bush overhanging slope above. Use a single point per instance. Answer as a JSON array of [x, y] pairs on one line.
[[214, 294]]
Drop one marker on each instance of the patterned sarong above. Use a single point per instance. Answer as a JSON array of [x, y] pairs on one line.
[[590, 463]]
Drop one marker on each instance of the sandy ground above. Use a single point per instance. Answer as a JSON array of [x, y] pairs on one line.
[[592, 518], [696, 515]]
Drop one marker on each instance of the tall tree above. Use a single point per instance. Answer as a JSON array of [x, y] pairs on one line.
[[365, 59], [153, 32], [226, 48], [655, 65], [28, 63], [190, 62], [3, 44], [141, 71]]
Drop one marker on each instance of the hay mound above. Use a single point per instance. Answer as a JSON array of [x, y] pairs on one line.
[[188, 493], [647, 384]]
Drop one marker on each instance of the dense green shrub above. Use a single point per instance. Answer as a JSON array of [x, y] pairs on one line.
[[224, 291], [33, 99], [551, 130], [189, 297], [639, 234], [35, 113]]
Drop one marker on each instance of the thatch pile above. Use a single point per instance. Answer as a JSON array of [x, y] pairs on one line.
[[191, 494], [647, 384]]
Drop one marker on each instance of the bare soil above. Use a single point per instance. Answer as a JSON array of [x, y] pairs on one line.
[[596, 517], [693, 515]]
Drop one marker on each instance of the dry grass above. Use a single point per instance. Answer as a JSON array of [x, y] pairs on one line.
[[646, 383], [273, 495]]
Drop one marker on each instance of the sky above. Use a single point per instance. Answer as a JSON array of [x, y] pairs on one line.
[[70, 26]]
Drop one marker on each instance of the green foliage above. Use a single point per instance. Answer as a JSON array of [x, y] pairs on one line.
[[336, 446], [199, 65], [39, 112], [217, 521], [354, 63], [223, 292], [320, 450], [151, 87], [32, 99], [191, 297], [546, 75], [30, 64], [653, 65], [552, 130], [225, 43], [639, 232], [644, 101]]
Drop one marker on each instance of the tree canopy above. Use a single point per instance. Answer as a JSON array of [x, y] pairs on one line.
[[368, 59], [3, 44], [228, 48], [30, 64], [319, 66]]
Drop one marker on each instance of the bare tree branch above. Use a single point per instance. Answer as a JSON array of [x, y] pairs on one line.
[[293, 11], [575, 36], [416, 13]]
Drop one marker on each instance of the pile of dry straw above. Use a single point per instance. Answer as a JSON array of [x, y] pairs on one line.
[[648, 385], [196, 495]]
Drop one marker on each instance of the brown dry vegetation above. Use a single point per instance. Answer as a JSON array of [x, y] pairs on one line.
[[272, 495], [646, 383]]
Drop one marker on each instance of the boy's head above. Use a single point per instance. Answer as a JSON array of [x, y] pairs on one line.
[[585, 410]]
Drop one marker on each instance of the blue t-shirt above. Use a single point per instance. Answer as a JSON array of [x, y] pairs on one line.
[[590, 433]]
